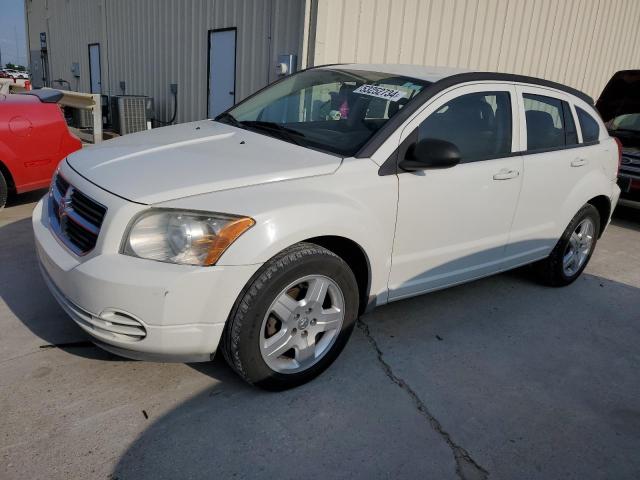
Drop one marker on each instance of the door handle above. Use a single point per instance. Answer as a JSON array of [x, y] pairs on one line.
[[232, 93], [578, 162], [506, 174]]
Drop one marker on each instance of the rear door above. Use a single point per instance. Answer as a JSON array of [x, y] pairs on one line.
[[453, 224], [554, 161]]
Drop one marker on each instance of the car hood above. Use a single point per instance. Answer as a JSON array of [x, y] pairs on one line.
[[620, 96], [629, 139], [195, 158]]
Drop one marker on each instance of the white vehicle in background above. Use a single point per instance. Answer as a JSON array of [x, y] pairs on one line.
[[265, 233], [16, 74]]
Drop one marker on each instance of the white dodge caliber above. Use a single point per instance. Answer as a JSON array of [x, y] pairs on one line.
[[265, 233]]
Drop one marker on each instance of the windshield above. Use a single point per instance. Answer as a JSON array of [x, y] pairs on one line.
[[331, 110]]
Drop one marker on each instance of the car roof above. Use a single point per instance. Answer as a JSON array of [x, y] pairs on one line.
[[445, 77], [430, 74], [46, 95]]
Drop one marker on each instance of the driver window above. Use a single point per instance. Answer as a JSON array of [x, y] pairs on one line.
[[479, 124]]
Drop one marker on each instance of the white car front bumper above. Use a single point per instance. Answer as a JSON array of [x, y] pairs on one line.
[[138, 308]]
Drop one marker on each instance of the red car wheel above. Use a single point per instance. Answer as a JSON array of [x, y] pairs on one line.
[[4, 191]]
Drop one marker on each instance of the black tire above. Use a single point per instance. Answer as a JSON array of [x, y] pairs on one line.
[[4, 191], [240, 340], [550, 270]]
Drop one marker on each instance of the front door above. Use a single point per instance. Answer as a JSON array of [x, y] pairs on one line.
[[94, 68], [453, 224], [222, 71]]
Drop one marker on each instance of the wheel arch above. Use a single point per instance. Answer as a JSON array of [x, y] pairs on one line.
[[354, 256], [592, 189], [603, 205], [8, 177]]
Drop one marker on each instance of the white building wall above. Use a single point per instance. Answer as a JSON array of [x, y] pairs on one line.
[[580, 43]]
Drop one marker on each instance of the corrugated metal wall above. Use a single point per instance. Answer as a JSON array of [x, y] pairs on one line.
[[70, 25], [580, 43], [151, 43]]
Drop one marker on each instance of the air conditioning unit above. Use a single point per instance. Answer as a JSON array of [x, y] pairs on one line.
[[82, 118], [131, 113]]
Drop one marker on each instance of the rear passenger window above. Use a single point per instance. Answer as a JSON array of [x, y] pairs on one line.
[[479, 124], [588, 125], [549, 123]]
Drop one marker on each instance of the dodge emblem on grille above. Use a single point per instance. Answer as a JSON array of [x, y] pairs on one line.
[[65, 203]]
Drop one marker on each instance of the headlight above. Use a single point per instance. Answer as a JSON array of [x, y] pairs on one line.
[[184, 237]]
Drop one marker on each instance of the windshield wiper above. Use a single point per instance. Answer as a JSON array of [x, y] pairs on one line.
[[228, 118], [285, 133]]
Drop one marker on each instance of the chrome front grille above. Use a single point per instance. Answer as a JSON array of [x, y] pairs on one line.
[[75, 218]]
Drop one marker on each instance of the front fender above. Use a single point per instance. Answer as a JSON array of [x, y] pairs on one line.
[[354, 203]]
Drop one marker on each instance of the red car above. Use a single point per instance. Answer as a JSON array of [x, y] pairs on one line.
[[33, 139]]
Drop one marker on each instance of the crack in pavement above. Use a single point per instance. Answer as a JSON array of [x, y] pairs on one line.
[[466, 467]]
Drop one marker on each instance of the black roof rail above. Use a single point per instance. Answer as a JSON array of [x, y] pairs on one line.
[[510, 77]]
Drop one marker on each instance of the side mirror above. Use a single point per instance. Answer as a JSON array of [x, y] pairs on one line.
[[430, 153]]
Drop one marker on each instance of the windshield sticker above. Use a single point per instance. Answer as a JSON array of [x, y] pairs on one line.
[[380, 92]]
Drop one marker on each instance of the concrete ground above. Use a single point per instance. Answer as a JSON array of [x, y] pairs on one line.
[[501, 378]]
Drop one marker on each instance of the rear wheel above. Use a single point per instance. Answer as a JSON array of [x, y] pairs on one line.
[[293, 319], [4, 191], [573, 251]]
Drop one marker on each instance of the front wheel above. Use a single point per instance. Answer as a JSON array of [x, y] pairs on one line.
[[573, 251], [293, 318]]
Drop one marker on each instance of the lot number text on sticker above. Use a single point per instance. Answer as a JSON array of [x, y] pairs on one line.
[[380, 92]]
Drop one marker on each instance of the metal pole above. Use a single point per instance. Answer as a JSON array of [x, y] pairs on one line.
[[96, 110], [15, 37]]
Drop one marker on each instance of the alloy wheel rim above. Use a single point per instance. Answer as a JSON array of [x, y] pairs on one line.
[[302, 324], [579, 247]]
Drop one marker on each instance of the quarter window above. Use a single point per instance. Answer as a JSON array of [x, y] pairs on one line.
[[588, 125], [479, 124]]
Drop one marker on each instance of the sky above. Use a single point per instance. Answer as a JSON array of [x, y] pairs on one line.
[[13, 43]]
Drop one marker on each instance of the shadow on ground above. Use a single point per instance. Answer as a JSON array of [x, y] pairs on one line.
[[627, 217], [531, 382], [24, 198], [25, 293]]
